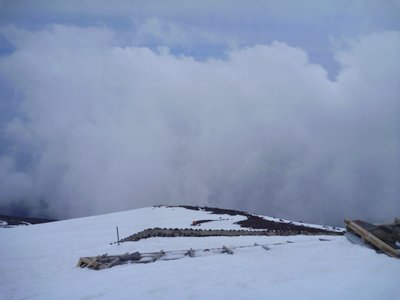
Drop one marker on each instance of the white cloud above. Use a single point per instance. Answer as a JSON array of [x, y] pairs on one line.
[[205, 29], [114, 127]]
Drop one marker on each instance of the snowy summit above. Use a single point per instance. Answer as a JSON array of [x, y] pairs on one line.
[[39, 261]]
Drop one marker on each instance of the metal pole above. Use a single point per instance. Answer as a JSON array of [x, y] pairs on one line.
[[117, 235]]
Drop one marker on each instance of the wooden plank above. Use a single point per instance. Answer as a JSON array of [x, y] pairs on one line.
[[142, 261], [113, 263], [84, 261], [158, 255], [90, 262], [226, 250], [372, 239], [132, 257], [94, 264]]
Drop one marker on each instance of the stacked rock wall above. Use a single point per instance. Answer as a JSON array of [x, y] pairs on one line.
[[189, 232]]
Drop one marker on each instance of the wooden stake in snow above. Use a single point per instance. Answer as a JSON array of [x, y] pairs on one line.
[[190, 253], [117, 235]]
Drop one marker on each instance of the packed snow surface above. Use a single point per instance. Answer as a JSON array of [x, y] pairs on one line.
[[39, 262]]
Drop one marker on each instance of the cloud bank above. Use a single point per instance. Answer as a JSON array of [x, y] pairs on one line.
[[100, 127]]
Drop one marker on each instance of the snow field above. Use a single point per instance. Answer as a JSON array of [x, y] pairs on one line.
[[39, 262]]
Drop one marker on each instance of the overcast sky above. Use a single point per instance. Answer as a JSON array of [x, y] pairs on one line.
[[283, 108]]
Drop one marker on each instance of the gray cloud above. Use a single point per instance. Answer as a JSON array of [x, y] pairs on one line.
[[104, 127]]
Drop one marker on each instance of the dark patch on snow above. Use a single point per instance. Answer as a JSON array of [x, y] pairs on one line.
[[11, 221], [199, 222], [257, 222]]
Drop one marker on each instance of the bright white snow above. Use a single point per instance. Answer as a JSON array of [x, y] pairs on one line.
[[39, 262]]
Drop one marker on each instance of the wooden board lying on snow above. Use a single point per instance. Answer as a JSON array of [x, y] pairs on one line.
[[107, 261]]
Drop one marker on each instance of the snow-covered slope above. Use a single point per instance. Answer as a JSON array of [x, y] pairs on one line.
[[39, 262]]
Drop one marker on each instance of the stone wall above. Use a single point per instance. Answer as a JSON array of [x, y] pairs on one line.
[[189, 232]]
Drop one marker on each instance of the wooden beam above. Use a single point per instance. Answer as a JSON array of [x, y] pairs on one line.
[[158, 255], [113, 263], [84, 261], [372, 239], [226, 250]]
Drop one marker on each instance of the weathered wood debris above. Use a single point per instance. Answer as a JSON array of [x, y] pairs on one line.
[[107, 261], [385, 237]]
